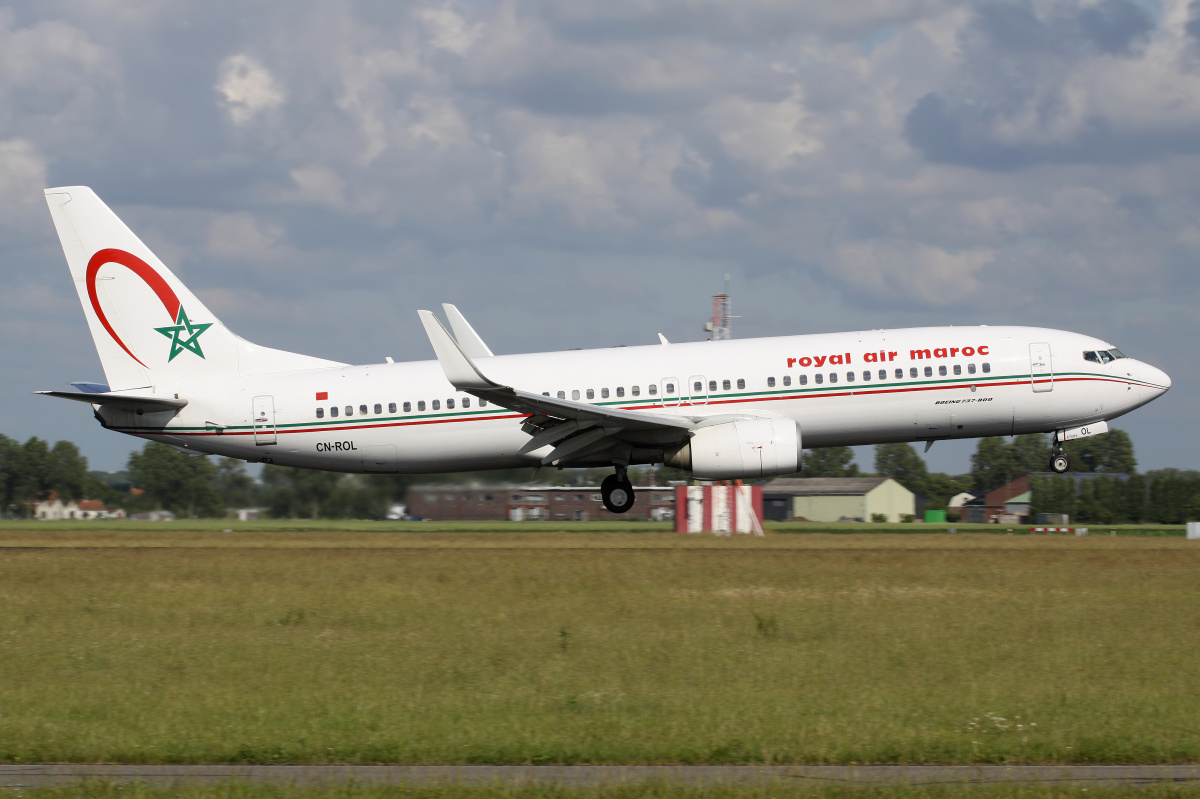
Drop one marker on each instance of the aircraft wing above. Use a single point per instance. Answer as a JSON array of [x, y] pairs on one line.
[[577, 429], [128, 402]]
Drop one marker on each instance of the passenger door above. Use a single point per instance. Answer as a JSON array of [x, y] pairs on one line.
[[699, 390]]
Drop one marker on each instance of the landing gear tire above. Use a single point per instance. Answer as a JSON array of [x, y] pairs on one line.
[[1060, 463], [617, 494]]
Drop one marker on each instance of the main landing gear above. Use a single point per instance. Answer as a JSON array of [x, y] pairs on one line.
[[617, 491], [1059, 461]]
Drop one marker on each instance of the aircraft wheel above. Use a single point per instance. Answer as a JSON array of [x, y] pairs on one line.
[[617, 494], [1060, 463]]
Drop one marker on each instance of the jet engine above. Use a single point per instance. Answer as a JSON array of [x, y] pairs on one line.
[[740, 450]]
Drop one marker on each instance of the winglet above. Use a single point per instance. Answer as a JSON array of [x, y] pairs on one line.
[[468, 340], [663, 339], [460, 371]]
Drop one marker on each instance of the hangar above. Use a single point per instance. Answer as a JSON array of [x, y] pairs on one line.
[[833, 499]]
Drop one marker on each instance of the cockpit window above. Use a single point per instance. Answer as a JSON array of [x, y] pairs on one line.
[[1091, 356], [1115, 354]]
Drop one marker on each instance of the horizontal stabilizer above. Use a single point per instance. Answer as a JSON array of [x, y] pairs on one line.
[[128, 402]]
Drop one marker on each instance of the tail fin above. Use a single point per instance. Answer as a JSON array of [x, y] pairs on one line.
[[149, 329]]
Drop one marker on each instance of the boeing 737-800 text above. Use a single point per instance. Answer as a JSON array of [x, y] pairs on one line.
[[720, 409]]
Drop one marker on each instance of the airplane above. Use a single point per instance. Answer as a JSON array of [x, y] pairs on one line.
[[723, 410]]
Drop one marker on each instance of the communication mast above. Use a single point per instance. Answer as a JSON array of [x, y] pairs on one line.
[[721, 318]]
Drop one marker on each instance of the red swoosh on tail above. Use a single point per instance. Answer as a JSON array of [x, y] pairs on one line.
[[140, 268]]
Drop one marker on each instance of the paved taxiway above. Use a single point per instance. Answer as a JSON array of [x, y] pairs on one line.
[[36, 776]]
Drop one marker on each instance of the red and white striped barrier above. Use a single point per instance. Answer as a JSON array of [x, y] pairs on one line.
[[720, 509]]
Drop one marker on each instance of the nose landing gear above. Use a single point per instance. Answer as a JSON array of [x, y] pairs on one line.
[[617, 491], [1059, 462]]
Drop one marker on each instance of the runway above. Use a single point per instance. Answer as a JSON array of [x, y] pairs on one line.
[[45, 775]]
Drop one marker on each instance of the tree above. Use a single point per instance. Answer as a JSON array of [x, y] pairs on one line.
[[828, 462], [235, 488], [175, 481], [1111, 452], [35, 470], [901, 463], [66, 471], [11, 472], [997, 461], [292, 492]]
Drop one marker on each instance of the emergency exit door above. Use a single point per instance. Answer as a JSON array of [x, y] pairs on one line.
[[264, 420], [1041, 370]]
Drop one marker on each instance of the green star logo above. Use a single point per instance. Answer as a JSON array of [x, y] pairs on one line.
[[177, 331]]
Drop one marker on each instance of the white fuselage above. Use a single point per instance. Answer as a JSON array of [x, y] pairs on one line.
[[841, 388]]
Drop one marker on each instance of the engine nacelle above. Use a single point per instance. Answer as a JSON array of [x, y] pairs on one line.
[[740, 450]]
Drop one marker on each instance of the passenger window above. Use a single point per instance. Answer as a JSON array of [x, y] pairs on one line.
[[333, 411], [804, 380], [482, 403], [574, 393], [970, 368], [770, 382], [712, 385], [741, 383], [436, 405], [958, 368], [1091, 356], [635, 391], [942, 370], [912, 372], [866, 375], [620, 391], [604, 393], [698, 387], [726, 385], [899, 374], [833, 377], [787, 380], [987, 368], [466, 402], [652, 389], [391, 407], [408, 407], [670, 388], [378, 409], [562, 395], [420, 405], [591, 394], [450, 404], [883, 374], [929, 371], [362, 410], [819, 378], [349, 410], [849, 377], [320, 413]]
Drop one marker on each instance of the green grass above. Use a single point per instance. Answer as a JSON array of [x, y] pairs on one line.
[[660, 790], [604, 526], [459, 648]]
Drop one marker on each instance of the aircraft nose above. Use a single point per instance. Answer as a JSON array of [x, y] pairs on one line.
[[1157, 381]]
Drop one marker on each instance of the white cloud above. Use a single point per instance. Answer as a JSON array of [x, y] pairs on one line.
[[247, 88], [242, 236], [912, 271]]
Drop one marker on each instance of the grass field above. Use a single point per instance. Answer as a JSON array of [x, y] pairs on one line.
[[632, 526], [637, 791], [359, 647]]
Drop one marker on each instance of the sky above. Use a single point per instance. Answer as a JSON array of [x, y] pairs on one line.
[[584, 174]]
